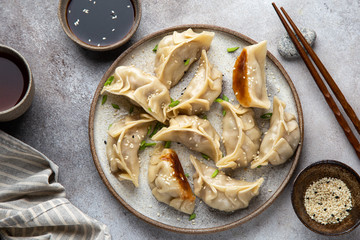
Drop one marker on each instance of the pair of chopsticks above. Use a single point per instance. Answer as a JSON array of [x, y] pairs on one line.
[[335, 89]]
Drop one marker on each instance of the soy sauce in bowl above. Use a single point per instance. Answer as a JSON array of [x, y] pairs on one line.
[[100, 23], [13, 81]]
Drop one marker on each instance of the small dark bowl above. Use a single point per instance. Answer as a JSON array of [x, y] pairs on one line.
[[63, 5], [316, 171]]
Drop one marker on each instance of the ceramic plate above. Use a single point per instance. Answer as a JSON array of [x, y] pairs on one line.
[[140, 201]]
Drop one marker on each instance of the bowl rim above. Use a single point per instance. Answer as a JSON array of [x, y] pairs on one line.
[[256, 212], [62, 7], [30, 78], [321, 162]]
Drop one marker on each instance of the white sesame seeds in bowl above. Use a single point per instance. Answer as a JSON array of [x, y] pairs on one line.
[[326, 197]]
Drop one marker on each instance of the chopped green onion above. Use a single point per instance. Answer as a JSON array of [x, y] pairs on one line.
[[259, 166], [192, 216], [204, 117], [115, 106], [187, 175], [266, 116], [149, 130], [187, 62], [225, 98], [155, 48], [157, 127], [174, 103], [167, 144], [144, 144], [218, 100], [233, 49], [109, 81], [104, 98], [110, 126], [224, 113], [131, 109], [149, 109], [205, 156], [215, 173]]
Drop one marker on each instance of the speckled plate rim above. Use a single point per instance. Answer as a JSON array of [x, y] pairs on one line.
[[255, 213], [296, 210]]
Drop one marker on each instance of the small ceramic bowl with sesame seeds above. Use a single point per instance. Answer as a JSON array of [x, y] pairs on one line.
[[99, 25], [326, 197]]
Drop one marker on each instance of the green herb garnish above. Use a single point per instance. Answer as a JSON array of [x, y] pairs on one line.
[[204, 117], [155, 48], [205, 156], [110, 126], [167, 144], [225, 98], [192, 216], [218, 100], [224, 113], [149, 109], [109, 81], [104, 98], [149, 130], [259, 166], [115, 106], [233, 49], [131, 109], [215, 173], [157, 127], [187, 62], [266, 116], [174, 103], [144, 145], [187, 175]]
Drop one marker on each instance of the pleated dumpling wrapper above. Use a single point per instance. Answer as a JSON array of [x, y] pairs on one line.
[[282, 138], [194, 132], [249, 80], [241, 136], [123, 145], [168, 182], [176, 53], [220, 191], [203, 89], [142, 89]]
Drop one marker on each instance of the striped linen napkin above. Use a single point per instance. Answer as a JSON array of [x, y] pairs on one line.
[[33, 203]]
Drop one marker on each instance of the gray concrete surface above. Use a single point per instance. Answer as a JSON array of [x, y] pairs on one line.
[[66, 77]]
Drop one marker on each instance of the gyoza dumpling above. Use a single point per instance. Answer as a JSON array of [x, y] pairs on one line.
[[194, 132], [202, 90], [123, 144], [249, 81], [281, 139], [176, 53], [142, 89], [222, 192], [241, 136], [168, 182]]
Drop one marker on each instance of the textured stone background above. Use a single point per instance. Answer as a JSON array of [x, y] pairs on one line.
[[66, 77]]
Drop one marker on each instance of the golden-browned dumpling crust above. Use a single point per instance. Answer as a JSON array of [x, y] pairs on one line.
[[249, 81], [222, 192], [168, 182], [142, 89], [203, 89], [282, 138], [123, 144], [176, 53]]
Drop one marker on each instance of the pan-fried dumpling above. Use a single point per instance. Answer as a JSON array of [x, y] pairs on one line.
[[142, 89], [176, 53], [168, 182], [123, 144], [241, 136], [249, 81], [222, 192], [203, 89], [282, 138], [194, 132]]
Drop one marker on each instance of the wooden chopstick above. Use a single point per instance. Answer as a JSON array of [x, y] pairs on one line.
[[329, 99]]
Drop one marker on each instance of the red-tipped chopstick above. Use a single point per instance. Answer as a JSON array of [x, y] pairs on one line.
[[329, 99]]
